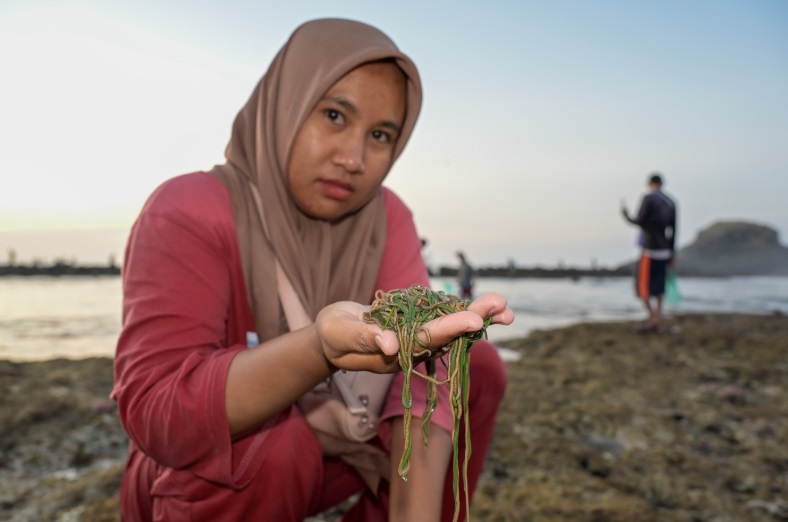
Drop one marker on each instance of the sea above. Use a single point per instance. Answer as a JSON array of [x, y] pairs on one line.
[[45, 317]]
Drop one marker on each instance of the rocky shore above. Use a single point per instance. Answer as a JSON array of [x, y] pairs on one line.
[[599, 424], [604, 424]]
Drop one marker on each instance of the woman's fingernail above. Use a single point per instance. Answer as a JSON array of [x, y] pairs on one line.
[[379, 341]]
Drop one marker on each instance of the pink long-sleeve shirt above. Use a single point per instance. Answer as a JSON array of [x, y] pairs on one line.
[[186, 315]]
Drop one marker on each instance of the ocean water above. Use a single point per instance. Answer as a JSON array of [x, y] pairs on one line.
[[44, 317]]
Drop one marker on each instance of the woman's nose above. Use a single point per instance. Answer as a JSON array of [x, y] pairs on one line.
[[350, 156]]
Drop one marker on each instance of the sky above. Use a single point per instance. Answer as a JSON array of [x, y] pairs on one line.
[[539, 118]]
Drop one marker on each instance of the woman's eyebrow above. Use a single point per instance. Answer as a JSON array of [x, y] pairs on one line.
[[344, 103], [353, 110], [391, 126]]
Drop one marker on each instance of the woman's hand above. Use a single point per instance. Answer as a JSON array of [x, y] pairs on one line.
[[349, 343]]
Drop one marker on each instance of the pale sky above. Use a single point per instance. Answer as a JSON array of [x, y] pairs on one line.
[[539, 117]]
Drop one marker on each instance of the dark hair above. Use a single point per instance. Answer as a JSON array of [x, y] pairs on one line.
[[656, 178]]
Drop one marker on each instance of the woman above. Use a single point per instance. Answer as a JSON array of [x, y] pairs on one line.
[[207, 373]]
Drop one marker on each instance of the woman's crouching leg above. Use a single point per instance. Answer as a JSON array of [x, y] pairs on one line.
[[292, 477], [286, 481], [488, 385]]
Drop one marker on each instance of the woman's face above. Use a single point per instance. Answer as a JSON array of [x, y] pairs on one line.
[[346, 145]]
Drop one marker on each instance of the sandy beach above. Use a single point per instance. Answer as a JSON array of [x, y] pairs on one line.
[[599, 424]]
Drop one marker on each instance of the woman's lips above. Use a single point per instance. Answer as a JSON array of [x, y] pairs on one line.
[[334, 189]]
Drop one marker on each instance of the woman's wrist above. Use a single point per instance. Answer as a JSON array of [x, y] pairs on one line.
[[319, 353]]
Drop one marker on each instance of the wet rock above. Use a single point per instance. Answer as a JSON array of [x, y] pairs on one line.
[[685, 426]]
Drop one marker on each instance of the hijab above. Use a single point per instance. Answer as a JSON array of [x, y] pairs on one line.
[[324, 261]]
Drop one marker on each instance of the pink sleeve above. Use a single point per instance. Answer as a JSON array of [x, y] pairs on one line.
[[402, 264], [402, 267], [171, 363]]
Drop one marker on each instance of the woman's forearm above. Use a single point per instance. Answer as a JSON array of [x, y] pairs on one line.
[[266, 379]]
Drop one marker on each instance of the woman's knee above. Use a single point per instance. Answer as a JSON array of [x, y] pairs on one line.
[[488, 371], [294, 445], [290, 478]]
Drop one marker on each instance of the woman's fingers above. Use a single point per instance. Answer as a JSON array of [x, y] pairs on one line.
[[494, 306], [441, 331], [387, 342], [505, 317]]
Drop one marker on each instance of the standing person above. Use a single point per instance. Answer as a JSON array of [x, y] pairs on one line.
[[207, 373], [465, 277], [657, 221]]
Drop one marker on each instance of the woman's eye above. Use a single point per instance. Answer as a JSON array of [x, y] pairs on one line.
[[334, 115], [381, 136]]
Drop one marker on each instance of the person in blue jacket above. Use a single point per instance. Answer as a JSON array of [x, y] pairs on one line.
[[657, 221]]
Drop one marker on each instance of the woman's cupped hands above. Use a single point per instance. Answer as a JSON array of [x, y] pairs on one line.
[[350, 343]]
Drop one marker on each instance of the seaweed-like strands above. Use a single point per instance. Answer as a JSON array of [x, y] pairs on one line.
[[405, 311]]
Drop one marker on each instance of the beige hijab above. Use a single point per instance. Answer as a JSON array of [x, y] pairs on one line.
[[325, 262]]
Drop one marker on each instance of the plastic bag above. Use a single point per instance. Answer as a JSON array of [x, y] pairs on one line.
[[672, 294]]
